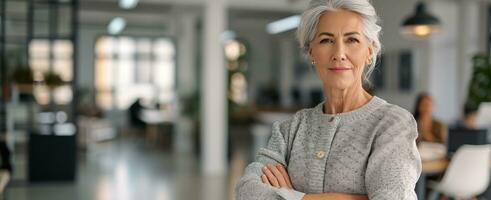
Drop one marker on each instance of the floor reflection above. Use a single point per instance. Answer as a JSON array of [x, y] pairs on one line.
[[126, 169]]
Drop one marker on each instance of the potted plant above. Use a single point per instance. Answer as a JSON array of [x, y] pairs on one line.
[[480, 86], [23, 79], [53, 80]]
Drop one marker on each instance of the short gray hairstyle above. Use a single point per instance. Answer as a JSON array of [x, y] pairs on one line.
[[310, 18]]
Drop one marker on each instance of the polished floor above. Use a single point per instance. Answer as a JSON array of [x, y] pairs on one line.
[[128, 168]]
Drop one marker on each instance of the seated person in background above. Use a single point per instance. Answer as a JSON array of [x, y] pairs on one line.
[[5, 165], [134, 114], [469, 118], [430, 129]]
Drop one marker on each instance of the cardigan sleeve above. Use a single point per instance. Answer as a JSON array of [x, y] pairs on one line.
[[394, 164], [250, 185]]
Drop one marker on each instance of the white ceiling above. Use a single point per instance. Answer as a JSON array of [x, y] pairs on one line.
[[273, 5]]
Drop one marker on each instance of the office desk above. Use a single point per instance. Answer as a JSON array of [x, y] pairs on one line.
[[429, 167], [153, 118], [435, 166]]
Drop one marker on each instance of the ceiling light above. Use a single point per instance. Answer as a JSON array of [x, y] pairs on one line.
[[128, 4], [116, 26], [421, 24], [283, 25]]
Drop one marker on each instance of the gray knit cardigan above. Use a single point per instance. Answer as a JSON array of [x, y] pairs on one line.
[[370, 150]]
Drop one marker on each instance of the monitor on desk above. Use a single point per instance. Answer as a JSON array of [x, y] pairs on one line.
[[461, 136]]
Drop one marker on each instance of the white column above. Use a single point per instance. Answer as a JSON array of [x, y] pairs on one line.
[[214, 102], [186, 58], [468, 45], [186, 76], [286, 71]]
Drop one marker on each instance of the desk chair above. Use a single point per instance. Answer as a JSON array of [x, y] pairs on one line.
[[467, 174]]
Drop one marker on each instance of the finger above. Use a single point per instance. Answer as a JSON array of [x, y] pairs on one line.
[[285, 175], [278, 175], [265, 180], [272, 179]]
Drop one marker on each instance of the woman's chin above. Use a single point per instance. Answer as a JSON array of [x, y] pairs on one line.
[[338, 85]]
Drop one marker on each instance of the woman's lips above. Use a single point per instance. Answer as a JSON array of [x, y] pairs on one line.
[[338, 69]]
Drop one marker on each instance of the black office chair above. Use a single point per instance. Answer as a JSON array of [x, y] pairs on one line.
[[461, 136]]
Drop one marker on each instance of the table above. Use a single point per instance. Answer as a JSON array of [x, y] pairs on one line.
[[429, 167], [153, 118]]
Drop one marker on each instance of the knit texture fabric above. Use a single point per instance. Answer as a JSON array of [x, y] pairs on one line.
[[370, 150]]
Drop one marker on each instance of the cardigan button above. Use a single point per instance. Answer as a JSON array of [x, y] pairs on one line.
[[320, 154]]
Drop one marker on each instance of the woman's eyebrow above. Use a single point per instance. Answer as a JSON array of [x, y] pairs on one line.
[[351, 33], [325, 33], [332, 35]]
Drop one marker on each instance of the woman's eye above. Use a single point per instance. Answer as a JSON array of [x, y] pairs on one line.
[[352, 40], [330, 41]]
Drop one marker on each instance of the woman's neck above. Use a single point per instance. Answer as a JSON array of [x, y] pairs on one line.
[[345, 100]]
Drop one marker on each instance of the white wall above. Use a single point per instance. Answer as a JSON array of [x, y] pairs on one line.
[[261, 50], [443, 62], [392, 13], [441, 65]]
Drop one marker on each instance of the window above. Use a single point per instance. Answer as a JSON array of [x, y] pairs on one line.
[[129, 68], [54, 56]]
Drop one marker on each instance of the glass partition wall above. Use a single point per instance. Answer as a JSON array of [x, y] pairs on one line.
[[38, 49]]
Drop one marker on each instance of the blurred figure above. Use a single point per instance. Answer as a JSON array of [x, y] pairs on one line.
[[5, 166], [430, 129], [469, 119], [134, 114]]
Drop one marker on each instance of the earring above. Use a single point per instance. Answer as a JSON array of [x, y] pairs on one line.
[[313, 62], [370, 61]]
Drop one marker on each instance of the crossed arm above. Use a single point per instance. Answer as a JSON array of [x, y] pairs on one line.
[[277, 176]]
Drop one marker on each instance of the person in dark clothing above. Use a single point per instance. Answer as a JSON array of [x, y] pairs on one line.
[[469, 119], [134, 113]]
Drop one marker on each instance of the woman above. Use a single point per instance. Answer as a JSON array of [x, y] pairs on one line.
[[352, 145], [429, 129]]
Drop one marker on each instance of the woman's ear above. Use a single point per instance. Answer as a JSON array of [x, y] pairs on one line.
[[310, 54], [370, 54], [370, 49]]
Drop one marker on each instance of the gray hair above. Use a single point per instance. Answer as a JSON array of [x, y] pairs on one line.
[[310, 18]]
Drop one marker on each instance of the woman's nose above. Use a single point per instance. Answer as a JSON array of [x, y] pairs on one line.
[[339, 53]]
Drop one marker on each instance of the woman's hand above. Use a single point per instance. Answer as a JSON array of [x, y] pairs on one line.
[[276, 176]]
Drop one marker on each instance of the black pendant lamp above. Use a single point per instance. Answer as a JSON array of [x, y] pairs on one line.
[[421, 24]]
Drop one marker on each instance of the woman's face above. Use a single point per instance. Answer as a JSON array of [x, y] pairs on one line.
[[339, 49], [426, 106]]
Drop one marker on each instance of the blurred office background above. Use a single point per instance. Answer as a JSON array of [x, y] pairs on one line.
[[170, 99]]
